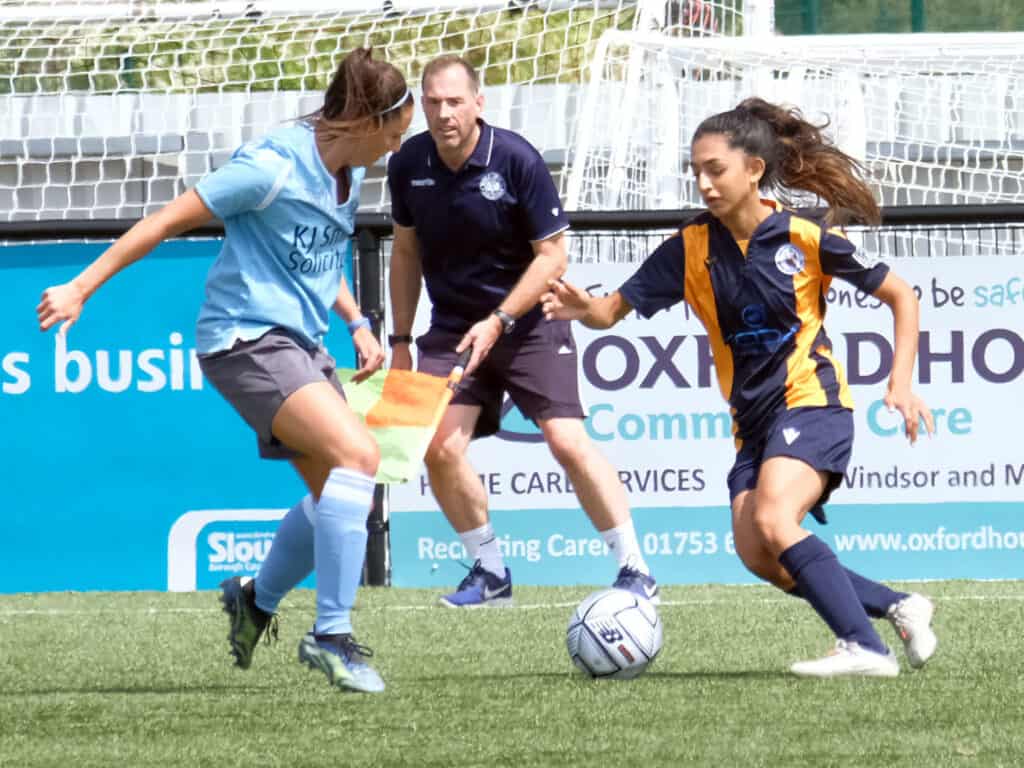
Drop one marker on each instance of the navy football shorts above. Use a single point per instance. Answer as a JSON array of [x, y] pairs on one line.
[[819, 436]]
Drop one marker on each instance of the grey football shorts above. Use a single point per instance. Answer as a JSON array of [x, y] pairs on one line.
[[257, 376]]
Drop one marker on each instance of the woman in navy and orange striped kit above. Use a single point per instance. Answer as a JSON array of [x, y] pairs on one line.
[[756, 275]]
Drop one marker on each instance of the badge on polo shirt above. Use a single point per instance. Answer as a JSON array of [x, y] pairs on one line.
[[492, 186]]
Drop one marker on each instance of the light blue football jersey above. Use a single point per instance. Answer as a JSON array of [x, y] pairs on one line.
[[286, 241]]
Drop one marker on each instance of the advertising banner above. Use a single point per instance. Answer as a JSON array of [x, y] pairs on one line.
[[950, 506], [122, 468]]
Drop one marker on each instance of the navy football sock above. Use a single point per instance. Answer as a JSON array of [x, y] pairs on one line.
[[874, 596], [825, 584]]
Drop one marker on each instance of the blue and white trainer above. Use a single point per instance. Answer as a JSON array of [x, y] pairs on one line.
[[343, 660], [481, 588], [639, 583]]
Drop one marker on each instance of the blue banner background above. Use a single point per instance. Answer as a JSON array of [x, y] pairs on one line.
[[93, 481]]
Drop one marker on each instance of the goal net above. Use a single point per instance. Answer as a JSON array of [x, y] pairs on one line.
[[936, 119], [110, 108]]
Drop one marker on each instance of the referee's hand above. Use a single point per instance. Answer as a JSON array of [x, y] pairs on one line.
[[481, 337]]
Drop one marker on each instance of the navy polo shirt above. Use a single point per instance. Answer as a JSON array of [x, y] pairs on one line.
[[474, 226]]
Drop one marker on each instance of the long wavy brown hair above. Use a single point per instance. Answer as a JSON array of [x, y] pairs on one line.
[[797, 156]]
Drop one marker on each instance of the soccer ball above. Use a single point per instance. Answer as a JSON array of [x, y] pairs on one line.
[[614, 633]]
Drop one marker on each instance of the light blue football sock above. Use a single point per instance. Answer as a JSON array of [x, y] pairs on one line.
[[290, 559], [340, 547]]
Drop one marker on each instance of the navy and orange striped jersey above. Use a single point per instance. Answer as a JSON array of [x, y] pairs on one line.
[[764, 310]]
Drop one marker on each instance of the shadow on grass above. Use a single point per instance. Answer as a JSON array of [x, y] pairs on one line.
[[575, 677], [735, 674], [469, 677], [135, 691], [567, 676]]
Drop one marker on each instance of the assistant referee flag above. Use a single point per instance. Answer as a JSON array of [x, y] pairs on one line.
[[402, 410]]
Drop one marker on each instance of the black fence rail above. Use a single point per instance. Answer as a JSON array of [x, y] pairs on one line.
[[379, 224]]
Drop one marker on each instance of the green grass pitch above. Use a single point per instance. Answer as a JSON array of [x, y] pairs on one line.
[[145, 679]]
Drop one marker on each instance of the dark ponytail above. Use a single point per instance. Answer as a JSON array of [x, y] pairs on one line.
[[797, 156], [362, 89]]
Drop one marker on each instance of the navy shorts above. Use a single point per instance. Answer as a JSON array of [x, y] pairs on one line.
[[537, 367], [257, 376], [819, 436]]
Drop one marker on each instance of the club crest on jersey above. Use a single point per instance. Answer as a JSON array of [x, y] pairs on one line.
[[789, 259], [492, 186]]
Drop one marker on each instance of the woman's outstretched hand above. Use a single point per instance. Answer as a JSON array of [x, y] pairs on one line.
[[371, 356], [564, 301], [913, 410], [60, 304]]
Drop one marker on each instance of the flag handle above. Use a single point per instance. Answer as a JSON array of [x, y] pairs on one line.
[[460, 368], [454, 378]]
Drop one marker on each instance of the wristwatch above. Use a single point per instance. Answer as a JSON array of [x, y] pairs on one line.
[[399, 338], [507, 321]]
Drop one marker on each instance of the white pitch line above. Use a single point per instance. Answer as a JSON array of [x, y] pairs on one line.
[[434, 607]]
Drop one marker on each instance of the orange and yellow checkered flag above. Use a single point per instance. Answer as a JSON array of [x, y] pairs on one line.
[[402, 410]]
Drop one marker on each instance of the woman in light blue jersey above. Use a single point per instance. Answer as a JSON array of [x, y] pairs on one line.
[[288, 203]]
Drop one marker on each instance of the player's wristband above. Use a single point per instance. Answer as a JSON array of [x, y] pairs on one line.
[[359, 322], [399, 338]]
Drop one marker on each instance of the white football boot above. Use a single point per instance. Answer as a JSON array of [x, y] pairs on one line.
[[911, 617], [849, 659]]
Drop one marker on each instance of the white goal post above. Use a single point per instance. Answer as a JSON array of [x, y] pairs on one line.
[[110, 108], [936, 118]]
